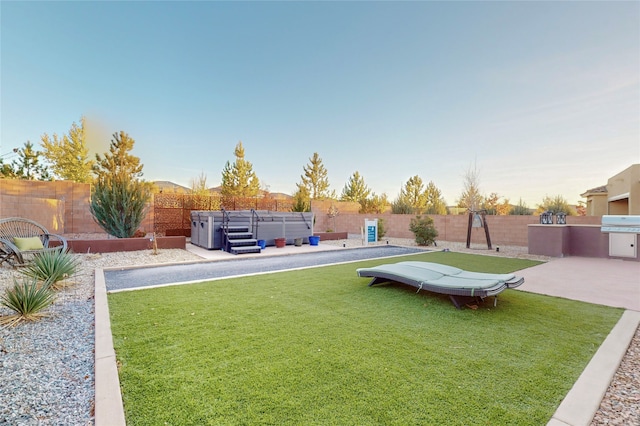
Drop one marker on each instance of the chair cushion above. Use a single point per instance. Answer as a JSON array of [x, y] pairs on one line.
[[31, 243]]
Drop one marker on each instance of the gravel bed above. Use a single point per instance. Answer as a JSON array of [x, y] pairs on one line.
[[47, 367]]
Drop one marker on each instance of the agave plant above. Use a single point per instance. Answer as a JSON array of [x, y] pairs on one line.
[[51, 267], [27, 299]]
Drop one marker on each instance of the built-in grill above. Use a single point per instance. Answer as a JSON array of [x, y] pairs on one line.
[[628, 224], [623, 234]]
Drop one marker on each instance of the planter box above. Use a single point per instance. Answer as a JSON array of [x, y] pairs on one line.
[[125, 244], [178, 232], [325, 236]]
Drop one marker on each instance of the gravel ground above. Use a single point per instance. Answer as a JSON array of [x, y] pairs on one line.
[[47, 367]]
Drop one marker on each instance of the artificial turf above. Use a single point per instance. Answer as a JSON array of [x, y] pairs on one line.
[[318, 346]]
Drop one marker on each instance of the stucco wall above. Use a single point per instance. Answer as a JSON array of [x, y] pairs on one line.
[[625, 184], [569, 240]]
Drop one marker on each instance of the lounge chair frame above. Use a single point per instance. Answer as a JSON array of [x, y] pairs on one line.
[[461, 286], [24, 228]]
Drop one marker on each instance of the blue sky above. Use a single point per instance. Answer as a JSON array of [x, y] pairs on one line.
[[544, 97]]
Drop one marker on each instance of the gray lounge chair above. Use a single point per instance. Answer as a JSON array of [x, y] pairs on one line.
[[461, 286]]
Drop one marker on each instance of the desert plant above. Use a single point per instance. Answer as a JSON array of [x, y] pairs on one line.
[[423, 229], [382, 230], [556, 204], [520, 209], [27, 299], [118, 205], [51, 267]]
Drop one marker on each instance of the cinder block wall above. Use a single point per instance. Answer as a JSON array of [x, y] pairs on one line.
[[503, 230], [61, 206], [47, 212]]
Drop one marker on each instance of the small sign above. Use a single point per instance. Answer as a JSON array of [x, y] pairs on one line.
[[371, 230], [371, 234]]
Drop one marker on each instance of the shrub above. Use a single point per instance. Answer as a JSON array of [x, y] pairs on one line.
[[382, 231], [401, 206], [27, 299], [424, 231], [118, 205], [51, 267]]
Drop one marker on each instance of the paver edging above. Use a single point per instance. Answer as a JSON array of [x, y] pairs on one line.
[[580, 405], [109, 410]]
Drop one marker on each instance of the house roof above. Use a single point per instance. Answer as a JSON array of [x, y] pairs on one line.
[[602, 190]]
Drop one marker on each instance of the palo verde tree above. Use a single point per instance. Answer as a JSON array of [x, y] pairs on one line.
[[119, 197], [239, 179], [68, 155]]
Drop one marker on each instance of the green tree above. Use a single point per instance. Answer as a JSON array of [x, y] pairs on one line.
[[412, 197], [28, 166], [6, 171], [503, 208], [401, 204], [118, 204], [119, 197], [471, 198], [118, 163], [490, 203], [355, 189], [415, 193], [301, 199], [374, 204], [315, 179], [69, 155], [435, 203], [556, 204], [239, 179]]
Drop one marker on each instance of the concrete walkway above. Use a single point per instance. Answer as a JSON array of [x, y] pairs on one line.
[[603, 281], [607, 282]]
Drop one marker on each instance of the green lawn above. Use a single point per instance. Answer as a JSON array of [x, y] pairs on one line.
[[318, 346]]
